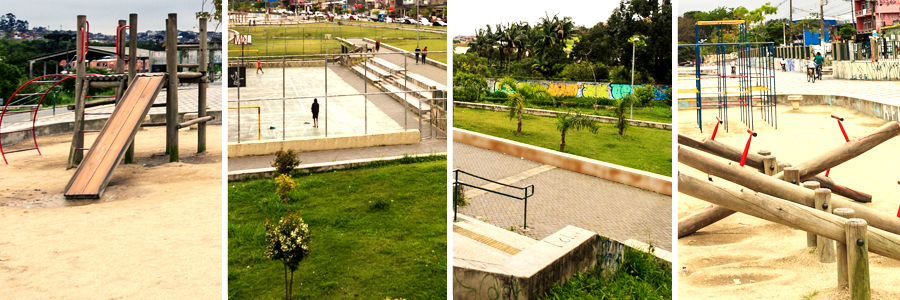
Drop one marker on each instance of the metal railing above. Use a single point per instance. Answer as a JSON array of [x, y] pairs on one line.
[[525, 192]]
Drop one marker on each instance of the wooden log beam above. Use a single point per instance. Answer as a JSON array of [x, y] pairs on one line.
[[758, 161], [786, 213], [846, 151], [690, 224], [756, 181], [195, 121]]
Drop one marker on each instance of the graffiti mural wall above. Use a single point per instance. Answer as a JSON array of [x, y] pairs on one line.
[[586, 89], [865, 70]]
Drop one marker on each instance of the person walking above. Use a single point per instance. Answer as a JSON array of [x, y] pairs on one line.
[[315, 112], [377, 45], [424, 52], [417, 54], [259, 67]]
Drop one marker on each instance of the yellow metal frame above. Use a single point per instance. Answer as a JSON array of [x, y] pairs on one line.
[[258, 119], [725, 22]]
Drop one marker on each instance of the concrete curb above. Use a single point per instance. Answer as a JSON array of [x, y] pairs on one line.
[[410, 54], [628, 176], [871, 108], [553, 113], [319, 167], [324, 143]]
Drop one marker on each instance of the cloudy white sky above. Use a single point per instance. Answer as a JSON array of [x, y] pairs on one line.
[[802, 8], [104, 15], [468, 15]]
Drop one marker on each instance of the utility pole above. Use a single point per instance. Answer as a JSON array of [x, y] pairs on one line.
[[822, 23], [791, 18]]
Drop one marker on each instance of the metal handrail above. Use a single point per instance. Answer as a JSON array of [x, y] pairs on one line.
[[525, 190]]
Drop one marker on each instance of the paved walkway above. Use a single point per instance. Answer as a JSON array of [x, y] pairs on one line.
[[562, 197], [187, 102]]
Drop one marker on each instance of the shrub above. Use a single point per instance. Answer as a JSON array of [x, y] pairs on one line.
[[285, 162], [459, 195], [288, 242], [284, 187], [643, 95]]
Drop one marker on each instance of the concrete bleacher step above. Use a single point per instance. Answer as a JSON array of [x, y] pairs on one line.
[[370, 76], [386, 65], [417, 91], [426, 82], [374, 68], [411, 100]]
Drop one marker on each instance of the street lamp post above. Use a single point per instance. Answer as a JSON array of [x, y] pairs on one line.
[[632, 76]]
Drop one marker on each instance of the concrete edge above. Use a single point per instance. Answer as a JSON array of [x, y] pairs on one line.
[[872, 108], [553, 113], [320, 167], [625, 175], [91, 124], [324, 143], [410, 54]]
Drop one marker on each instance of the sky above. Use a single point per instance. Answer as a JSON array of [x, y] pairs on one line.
[[468, 15], [104, 15], [802, 8]]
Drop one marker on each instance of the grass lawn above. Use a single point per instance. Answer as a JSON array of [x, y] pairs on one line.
[[651, 114], [376, 232], [433, 45], [302, 39], [639, 277], [641, 148]]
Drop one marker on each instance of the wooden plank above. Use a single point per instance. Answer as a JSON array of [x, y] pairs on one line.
[[80, 179], [93, 175], [127, 124]]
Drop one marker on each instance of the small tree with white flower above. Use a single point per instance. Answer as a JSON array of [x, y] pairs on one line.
[[288, 241]]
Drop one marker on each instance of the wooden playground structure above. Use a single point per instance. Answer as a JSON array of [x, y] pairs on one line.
[[134, 97], [841, 230]]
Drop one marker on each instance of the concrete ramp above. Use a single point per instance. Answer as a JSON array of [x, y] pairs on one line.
[[93, 173]]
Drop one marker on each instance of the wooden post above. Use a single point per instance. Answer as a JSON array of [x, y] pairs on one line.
[[763, 153], [76, 155], [756, 161], [780, 167], [777, 188], [172, 87], [792, 175], [202, 59], [825, 246], [811, 240], [132, 70], [858, 259], [769, 165], [841, 246]]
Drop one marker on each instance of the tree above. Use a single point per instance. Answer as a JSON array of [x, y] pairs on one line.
[[288, 242], [522, 94], [566, 122], [215, 14], [847, 32], [621, 111]]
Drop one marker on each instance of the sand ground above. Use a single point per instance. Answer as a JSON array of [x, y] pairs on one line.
[[155, 234], [770, 260]]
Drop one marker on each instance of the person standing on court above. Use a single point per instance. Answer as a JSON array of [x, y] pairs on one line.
[[424, 52], [315, 112], [417, 54], [377, 45], [259, 67]]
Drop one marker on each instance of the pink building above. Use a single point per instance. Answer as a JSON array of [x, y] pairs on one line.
[[873, 15]]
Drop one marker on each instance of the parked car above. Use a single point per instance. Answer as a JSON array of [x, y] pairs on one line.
[[353, 18], [439, 23]]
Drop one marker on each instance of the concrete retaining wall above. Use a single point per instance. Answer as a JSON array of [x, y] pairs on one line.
[[93, 124], [532, 272], [867, 70], [323, 143], [867, 107], [551, 113], [251, 64], [633, 177], [318, 168], [410, 54], [584, 89]]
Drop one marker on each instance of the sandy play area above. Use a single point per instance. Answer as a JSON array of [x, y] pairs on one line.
[[155, 234], [771, 261]]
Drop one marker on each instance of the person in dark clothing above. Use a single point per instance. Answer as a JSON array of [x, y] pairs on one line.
[[377, 46], [315, 112], [417, 54]]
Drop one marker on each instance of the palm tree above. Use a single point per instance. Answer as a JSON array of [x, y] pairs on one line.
[[621, 121], [564, 123], [522, 94]]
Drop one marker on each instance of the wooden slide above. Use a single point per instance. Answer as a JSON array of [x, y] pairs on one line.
[[93, 173]]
